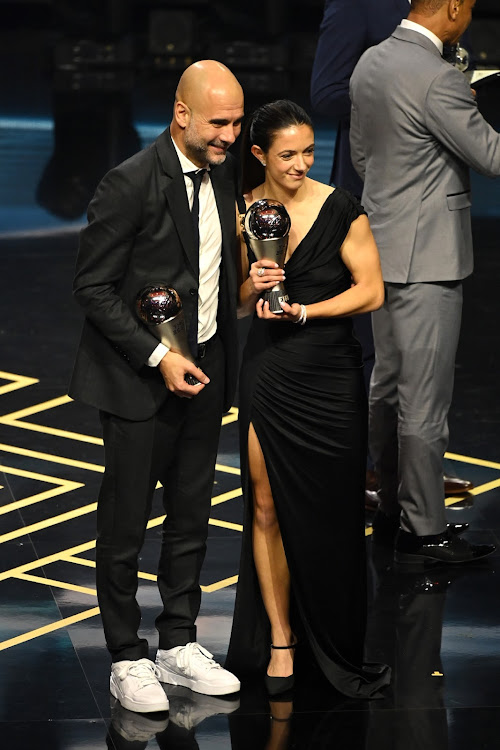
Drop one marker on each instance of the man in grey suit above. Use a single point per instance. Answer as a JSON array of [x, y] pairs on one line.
[[415, 131], [349, 28]]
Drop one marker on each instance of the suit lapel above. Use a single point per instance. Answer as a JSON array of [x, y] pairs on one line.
[[176, 197], [175, 193], [226, 206]]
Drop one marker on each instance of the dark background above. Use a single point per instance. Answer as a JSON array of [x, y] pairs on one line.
[[143, 45], [94, 70]]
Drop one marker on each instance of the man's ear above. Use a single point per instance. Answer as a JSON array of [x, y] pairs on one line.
[[182, 114], [454, 8]]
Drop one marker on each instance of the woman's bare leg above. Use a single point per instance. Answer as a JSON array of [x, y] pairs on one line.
[[270, 561]]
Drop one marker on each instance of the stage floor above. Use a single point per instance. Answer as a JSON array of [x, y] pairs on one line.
[[439, 632]]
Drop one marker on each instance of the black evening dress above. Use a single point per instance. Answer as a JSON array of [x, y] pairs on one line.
[[302, 389]]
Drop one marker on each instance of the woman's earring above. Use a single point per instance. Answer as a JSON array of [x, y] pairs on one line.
[[263, 163]]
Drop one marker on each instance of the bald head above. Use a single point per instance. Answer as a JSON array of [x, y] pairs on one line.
[[207, 113], [204, 78]]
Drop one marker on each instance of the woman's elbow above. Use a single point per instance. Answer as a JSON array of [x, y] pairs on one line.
[[374, 295], [243, 308], [378, 297], [242, 312]]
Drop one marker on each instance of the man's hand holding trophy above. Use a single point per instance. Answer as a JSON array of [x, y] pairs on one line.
[[159, 307]]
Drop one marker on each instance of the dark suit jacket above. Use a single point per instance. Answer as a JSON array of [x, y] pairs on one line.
[[348, 28], [139, 232]]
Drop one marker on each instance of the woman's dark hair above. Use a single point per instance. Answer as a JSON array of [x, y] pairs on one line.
[[260, 130]]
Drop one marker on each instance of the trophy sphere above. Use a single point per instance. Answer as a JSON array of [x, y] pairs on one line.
[[267, 219], [461, 59], [157, 303]]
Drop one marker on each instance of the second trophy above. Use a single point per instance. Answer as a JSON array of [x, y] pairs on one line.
[[160, 308]]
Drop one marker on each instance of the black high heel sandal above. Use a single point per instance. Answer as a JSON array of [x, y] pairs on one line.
[[280, 685]]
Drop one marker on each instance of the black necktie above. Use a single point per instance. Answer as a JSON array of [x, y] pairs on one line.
[[197, 177]]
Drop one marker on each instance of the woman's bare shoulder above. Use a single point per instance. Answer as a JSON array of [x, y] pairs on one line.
[[320, 189]]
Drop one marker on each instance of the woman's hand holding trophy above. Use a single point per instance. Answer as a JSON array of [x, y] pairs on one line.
[[267, 226]]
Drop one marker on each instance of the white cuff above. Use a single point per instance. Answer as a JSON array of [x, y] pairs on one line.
[[158, 355]]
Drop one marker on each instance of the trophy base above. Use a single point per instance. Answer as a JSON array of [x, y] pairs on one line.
[[274, 298], [191, 380]]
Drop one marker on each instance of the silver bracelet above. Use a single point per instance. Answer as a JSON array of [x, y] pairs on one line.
[[303, 316]]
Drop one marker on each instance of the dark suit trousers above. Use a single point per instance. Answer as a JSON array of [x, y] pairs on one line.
[[178, 447]]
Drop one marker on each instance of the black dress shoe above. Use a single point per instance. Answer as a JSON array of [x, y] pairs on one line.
[[446, 548], [385, 528], [456, 486], [457, 528], [280, 686]]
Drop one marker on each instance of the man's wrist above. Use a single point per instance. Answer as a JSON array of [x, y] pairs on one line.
[[157, 355]]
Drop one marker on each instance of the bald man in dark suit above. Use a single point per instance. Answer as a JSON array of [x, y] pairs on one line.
[[165, 215]]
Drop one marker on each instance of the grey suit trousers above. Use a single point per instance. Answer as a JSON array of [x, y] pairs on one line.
[[416, 336]]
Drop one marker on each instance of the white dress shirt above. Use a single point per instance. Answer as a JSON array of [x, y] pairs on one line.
[[209, 256]]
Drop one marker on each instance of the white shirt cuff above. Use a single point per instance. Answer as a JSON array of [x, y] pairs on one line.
[[158, 355]]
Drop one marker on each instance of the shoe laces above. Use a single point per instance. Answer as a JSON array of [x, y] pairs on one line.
[[143, 669], [193, 652]]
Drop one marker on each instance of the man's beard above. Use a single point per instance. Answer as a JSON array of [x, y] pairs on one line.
[[198, 149]]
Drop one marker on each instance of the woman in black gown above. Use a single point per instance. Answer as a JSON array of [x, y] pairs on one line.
[[303, 422]]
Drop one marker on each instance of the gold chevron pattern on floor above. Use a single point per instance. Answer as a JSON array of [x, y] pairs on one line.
[[57, 486], [47, 487]]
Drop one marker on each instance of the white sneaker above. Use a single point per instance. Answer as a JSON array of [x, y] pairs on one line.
[[135, 684], [192, 666]]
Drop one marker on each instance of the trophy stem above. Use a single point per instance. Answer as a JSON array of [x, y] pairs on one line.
[[172, 333]]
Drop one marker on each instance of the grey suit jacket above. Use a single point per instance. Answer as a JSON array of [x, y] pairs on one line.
[[415, 131]]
